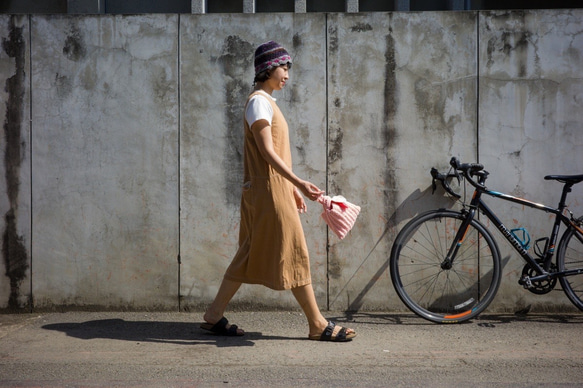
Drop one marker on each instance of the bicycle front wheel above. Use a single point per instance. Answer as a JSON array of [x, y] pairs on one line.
[[439, 293], [570, 257]]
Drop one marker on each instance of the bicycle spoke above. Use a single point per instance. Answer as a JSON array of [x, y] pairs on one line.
[[432, 251], [430, 290]]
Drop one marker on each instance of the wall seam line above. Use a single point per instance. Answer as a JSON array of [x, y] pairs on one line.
[[179, 157], [31, 298], [478, 87], [327, 165]]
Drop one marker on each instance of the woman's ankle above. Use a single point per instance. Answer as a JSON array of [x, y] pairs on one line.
[[211, 316]]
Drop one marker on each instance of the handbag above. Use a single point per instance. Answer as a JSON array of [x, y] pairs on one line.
[[339, 214]]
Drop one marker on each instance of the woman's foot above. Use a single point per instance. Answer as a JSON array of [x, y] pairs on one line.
[[220, 326], [334, 333]]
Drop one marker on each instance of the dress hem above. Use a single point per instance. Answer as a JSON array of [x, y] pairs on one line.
[[285, 287]]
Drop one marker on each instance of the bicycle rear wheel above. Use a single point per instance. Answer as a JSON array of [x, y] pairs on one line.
[[435, 293], [570, 257]]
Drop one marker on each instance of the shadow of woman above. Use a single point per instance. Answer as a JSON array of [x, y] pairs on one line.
[[179, 333]]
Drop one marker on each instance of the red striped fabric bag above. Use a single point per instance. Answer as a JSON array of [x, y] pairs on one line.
[[339, 214]]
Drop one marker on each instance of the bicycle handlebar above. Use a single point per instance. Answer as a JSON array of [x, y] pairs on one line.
[[468, 170]]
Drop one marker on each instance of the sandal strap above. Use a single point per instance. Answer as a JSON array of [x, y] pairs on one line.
[[220, 326], [232, 330], [328, 331], [341, 336]]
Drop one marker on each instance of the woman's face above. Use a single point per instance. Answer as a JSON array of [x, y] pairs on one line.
[[279, 77]]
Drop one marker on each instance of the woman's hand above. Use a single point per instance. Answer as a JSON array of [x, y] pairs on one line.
[[310, 190], [300, 203]]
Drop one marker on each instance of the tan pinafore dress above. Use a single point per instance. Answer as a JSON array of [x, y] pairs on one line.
[[272, 247]]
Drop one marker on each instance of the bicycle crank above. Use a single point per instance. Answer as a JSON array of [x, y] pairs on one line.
[[538, 287]]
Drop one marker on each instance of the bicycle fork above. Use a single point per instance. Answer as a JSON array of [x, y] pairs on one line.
[[460, 236], [461, 233]]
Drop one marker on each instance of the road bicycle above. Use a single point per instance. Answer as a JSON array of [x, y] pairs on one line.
[[445, 264]]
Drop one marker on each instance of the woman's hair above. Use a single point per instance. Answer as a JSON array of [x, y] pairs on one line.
[[264, 75], [261, 77]]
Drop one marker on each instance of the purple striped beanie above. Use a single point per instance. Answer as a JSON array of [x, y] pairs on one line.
[[270, 55]]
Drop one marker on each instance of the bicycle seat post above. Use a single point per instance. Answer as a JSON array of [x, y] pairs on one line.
[[567, 188]]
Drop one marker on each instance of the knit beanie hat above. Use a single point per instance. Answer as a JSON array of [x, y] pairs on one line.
[[270, 55]]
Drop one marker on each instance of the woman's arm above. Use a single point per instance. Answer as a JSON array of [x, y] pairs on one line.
[[262, 133]]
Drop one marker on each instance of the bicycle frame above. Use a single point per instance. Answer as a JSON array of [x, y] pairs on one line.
[[560, 218]]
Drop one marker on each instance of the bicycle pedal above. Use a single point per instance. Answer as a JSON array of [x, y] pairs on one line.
[[525, 282]]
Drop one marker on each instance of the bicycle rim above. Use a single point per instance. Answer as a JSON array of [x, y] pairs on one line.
[[570, 256], [444, 295]]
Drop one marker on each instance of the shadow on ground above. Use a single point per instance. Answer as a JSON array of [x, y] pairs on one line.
[[181, 333], [485, 320]]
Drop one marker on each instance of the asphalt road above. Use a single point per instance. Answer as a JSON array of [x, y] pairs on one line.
[[139, 349]]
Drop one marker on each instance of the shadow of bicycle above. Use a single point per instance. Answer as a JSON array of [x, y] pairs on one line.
[[486, 320], [416, 203]]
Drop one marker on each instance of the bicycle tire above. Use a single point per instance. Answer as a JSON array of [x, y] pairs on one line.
[[445, 295], [570, 257]]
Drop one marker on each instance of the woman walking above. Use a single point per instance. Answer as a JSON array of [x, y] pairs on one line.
[[272, 247]]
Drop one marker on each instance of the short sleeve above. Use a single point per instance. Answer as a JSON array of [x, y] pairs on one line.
[[258, 108]]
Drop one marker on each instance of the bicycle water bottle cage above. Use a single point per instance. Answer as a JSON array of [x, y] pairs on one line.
[[522, 236]]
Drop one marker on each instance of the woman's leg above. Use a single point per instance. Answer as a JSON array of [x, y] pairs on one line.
[[307, 300], [216, 310]]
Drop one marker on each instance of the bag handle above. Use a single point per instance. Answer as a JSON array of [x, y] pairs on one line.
[[337, 199]]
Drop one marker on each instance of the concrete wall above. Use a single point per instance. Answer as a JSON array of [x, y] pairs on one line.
[[123, 159], [530, 122]]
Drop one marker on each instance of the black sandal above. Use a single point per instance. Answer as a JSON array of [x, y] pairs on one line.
[[341, 336], [220, 328]]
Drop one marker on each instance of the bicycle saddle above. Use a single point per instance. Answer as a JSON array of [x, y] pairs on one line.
[[572, 179]]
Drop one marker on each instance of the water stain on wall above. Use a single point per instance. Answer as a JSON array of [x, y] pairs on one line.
[[335, 147], [13, 249], [74, 48], [296, 42], [335, 267], [235, 62], [517, 43], [390, 111], [430, 101], [361, 27], [335, 131], [332, 53], [64, 85], [335, 141], [513, 43]]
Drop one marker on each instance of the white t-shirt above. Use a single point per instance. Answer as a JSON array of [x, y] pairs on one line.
[[259, 108]]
